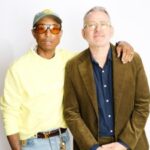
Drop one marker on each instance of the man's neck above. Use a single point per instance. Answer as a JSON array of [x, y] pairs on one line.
[[48, 54], [100, 54]]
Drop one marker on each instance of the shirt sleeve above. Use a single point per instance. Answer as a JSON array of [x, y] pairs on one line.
[[10, 103]]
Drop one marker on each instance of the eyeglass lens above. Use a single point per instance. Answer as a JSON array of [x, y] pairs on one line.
[[42, 28]]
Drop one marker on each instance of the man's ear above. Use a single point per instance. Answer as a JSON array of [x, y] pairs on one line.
[[33, 33], [61, 32], [83, 33]]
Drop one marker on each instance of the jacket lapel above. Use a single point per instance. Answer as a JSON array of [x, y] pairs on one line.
[[119, 74], [86, 71]]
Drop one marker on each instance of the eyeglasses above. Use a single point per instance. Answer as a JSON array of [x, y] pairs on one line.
[[42, 28], [93, 25]]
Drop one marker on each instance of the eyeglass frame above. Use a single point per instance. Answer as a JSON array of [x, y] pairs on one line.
[[102, 24], [48, 26]]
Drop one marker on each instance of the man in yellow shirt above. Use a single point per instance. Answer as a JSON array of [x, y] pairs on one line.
[[33, 90]]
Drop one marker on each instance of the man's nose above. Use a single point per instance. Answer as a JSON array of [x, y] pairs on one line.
[[98, 27], [48, 32]]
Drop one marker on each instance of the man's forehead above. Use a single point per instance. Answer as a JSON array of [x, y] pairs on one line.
[[97, 16]]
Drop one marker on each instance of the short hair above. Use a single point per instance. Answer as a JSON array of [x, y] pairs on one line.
[[96, 8]]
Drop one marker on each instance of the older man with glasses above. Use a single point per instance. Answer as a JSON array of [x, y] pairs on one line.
[[33, 92], [106, 103]]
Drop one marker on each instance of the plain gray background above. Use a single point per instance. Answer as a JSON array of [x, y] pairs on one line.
[[129, 18]]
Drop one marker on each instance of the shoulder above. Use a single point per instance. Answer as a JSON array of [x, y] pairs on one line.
[[135, 65], [137, 61], [64, 54], [22, 61], [76, 63], [79, 58]]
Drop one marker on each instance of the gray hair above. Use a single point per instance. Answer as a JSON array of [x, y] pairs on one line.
[[96, 8]]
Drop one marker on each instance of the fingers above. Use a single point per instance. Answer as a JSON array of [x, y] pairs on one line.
[[108, 145], [124, 56], [100, 148], [113, 146], [118, 51], [127, 56], [125, 51], [104, 148]]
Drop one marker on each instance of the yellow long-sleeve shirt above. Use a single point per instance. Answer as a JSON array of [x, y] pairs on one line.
[[33, 92]]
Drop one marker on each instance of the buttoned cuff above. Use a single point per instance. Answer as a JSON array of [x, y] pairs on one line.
[[94, 147], [124, 144]]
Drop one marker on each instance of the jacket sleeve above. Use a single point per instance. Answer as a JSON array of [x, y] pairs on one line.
[[135, 126], [81, 134]]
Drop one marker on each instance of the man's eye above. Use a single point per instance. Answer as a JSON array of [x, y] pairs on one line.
[[92, 25]]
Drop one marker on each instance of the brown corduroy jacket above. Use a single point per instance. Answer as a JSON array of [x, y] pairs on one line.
[[131, 101]]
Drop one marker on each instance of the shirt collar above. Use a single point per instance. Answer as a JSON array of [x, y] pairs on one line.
[[109, 56]]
